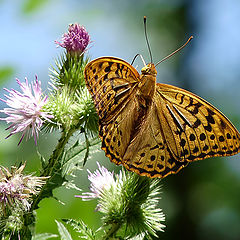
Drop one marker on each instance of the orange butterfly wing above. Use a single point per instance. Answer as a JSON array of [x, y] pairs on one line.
[[180, 128], [112, 83], [199, 130], [177, 128]]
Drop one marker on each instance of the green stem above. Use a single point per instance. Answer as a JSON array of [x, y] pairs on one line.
[[57, 153], [111, 233], [87, 148], [49, 170], [53, 170]]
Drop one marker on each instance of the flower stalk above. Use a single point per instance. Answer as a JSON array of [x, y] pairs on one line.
[[111, 233], [53, 169]]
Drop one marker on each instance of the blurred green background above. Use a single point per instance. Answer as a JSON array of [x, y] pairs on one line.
[[203, 200]]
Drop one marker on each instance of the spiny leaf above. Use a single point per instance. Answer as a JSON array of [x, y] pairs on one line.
[[81, 227], [42, 159], [77, 153], [44, 236], [65, 235]]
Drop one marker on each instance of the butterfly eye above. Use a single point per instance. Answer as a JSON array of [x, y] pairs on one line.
[[145, 70], [149, 70]]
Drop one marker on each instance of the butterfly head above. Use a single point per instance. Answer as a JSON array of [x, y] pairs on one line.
[[149, 69]]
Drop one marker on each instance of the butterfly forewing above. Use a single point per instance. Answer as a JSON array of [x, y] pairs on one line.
[[198, 130], [111, 82]]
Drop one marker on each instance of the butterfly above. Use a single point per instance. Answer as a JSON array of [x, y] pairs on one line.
[[154, 129]]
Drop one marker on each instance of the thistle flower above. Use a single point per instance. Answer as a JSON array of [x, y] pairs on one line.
[[127, 201], [75, 40], [17, 189], [101, 180], [26, 113]]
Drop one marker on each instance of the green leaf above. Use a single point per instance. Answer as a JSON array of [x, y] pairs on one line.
[[71, 185], [65, 235], [42, 159], [44, 236], [30, 6], [5, 73], [76, 154], [81, 227]]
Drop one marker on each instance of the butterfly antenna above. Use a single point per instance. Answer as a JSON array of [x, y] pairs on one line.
[[134, 58], [184, 45], [140, 57], [145, 32]]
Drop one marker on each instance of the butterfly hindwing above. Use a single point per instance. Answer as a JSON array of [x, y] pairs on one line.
[[148, 154], [117, 133], [198, 130], [180, 127]]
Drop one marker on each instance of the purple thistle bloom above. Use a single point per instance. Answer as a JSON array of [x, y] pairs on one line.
[[16, 188], [75, 40], [101, 180], [25, 113]]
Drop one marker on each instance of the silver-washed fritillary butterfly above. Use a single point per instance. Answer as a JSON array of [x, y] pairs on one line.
[[151, 128]]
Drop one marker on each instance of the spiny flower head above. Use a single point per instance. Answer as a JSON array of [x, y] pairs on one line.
[[101, 180], [16, 188], [128, 200], [75, 40], [26, 114]]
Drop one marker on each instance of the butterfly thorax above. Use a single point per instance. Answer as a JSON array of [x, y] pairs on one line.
[[147, 84]]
